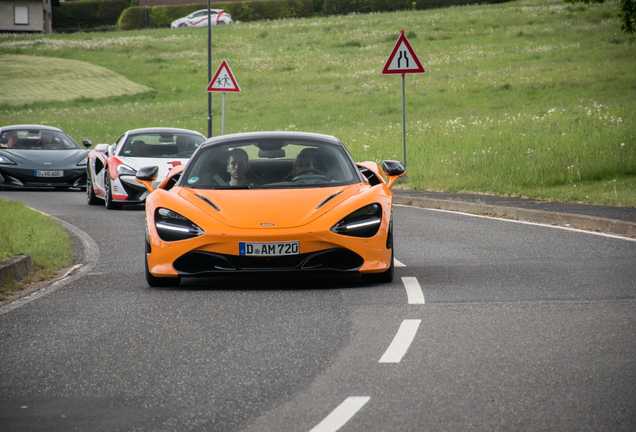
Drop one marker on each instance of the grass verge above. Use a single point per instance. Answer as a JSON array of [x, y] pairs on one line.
[[27, 231]]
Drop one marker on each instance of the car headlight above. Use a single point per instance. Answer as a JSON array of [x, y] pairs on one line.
[[83, 161], [364, 222], [125, 170], [5, 160], [171, 226]]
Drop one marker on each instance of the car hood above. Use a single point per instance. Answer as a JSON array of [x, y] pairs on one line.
[[268, 208], [45, 159]]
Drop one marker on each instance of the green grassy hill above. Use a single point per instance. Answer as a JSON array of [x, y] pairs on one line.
[[534, 98], [26, 79]]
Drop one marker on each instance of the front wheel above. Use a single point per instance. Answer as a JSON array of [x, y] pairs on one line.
[[108, 200], [91, 198]]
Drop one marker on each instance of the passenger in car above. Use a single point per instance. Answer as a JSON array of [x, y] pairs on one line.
[[237, 166], [12, 141], [138, 148]]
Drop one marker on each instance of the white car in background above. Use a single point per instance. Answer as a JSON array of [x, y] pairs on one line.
[[111, 169], [200, 19]]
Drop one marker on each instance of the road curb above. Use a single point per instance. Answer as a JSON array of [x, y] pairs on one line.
[[593, 223], [89, 252], [15, 268]]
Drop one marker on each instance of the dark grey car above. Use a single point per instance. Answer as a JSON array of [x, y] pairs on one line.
[[33, 156]]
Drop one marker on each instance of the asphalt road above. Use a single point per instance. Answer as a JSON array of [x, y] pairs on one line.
[[489, 325]]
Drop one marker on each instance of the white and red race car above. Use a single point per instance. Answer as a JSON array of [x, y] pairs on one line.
[[200, 19], [111, 169]]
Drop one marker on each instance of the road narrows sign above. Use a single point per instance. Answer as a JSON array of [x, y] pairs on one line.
[[402, 59], [223, 80]]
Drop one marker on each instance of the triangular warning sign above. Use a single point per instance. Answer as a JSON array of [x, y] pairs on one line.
[[402, 59], [223, 81]]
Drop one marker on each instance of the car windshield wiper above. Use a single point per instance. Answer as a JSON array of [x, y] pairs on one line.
[[247, 186]]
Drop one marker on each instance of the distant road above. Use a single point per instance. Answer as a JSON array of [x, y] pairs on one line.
[[488, 325]]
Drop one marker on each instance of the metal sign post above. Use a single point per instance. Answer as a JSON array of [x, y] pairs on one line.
[[402, 61], [223, 117], [223, 81], [209, 69]]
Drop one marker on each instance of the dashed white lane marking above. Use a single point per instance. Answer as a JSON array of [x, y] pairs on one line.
[[398, 264], [342, 414], [413, 290], [401, 342]]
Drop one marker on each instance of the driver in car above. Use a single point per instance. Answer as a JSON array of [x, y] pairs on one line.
[[304, 162], [46, 139]]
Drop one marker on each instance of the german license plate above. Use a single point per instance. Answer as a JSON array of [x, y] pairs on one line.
[[49, 173], [268, 249]]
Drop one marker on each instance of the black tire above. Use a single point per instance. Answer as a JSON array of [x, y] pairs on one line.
[[108, 199], [156, 282], [386, 276], [91, 198]]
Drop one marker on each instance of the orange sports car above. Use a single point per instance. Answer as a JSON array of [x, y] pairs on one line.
[[270, 201]]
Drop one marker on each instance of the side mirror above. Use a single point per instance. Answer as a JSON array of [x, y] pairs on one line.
[[147, 175], [101, 148], [392, 168], [87, 143]]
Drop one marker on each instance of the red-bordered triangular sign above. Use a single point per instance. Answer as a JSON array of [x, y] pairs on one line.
[[223, 81], [402, 59]]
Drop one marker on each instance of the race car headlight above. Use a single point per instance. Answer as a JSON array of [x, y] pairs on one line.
[[364, 222], [171, 226], [83, 161], [125, 170], [5, 160]]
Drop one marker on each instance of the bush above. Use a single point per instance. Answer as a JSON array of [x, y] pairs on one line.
[[87, 14], [162, 16]]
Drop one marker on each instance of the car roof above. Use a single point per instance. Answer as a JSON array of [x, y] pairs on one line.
[[287, 135], [162, 130], [30, 126], [211, 10]]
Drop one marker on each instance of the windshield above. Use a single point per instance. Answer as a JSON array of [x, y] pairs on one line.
[[270, 164], [161, 145], [36, 139]]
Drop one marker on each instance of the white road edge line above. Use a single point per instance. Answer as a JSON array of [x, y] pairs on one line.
[[524, 222], [401, 342], [398, 264], [413, 290], [342, 414]]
